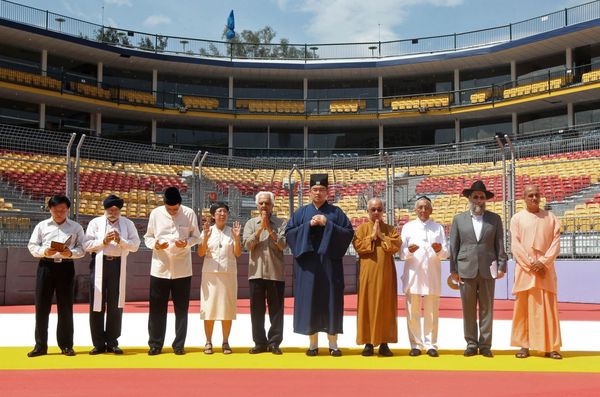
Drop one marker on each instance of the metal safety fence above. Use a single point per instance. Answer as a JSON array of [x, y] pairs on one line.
[[35, 164]]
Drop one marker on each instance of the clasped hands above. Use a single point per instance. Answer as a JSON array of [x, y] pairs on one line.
[[113, 235], [538, 268], [318, 220]]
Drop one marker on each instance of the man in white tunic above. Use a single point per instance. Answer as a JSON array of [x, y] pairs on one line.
[[424, 245], [172, 231], [110, 238]]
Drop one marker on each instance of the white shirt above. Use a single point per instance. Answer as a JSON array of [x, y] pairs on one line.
[[94, 241], [172, 262], [47, 231], [219, 257], [422, 268], [477, 224]]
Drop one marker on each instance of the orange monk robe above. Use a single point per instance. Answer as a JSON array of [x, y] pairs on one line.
[[377, 288], [535, 236]]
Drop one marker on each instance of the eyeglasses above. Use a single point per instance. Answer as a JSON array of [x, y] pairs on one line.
[[379, 209]]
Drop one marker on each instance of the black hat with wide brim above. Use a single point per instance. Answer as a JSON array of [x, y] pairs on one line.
[[478, 186]]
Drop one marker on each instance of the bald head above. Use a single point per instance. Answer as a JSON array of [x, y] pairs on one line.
[[375, 209], [532, 197]]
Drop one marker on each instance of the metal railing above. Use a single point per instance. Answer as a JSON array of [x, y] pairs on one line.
[[564, 162], [308, 52]]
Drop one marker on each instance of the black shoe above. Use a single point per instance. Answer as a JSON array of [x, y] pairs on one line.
[[384, 350], [368, 350], [114, 350], [335, 352], [178, 351], [414, 352], [275, 350], [432, 353], [97, 350], [38, 351], [258, 349], [312, 352], [68, 351], [154, 351], [486, 352], [470, 351]]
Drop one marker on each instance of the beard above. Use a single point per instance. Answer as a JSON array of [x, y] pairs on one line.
[[477, 209], [112, 218]]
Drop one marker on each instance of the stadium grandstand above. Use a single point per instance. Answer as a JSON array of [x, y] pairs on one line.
[[91, 110]]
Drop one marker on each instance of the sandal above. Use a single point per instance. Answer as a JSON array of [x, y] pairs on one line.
[[554, 355], [208, 348], [523, 353], [226, 348]]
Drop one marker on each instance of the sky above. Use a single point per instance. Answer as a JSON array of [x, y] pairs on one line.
[[305, 21]]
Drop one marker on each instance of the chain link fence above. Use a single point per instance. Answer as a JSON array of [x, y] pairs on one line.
[[36, 164]]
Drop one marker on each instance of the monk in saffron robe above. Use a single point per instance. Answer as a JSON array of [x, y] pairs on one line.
[[535, 238], [376, 243], [319, 235]]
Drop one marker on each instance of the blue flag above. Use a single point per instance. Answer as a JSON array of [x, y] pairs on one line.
[[230, 26]]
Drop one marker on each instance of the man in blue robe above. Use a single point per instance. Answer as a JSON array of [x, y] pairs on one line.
[[319, 235]]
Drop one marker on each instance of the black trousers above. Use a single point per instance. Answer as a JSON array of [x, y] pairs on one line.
[[272, 293], [160, 288], [102, 335], [60, 278]]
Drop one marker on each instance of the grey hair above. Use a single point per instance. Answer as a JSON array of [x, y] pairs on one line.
[[423, 199], [270, 194]]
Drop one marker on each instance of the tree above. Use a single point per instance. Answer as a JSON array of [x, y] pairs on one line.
[[259, 44]]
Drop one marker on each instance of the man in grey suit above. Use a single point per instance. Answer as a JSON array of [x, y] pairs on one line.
[[477, 259]]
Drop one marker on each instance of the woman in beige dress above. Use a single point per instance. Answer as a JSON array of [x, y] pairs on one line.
[[220, 245]]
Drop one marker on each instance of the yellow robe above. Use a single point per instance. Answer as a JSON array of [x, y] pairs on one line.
[[377, 289], [535, 236]]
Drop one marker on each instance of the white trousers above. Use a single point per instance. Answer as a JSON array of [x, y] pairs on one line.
[[422, 338]]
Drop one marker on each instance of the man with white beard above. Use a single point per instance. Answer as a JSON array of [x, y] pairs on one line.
[[477, 259], [110, 238]]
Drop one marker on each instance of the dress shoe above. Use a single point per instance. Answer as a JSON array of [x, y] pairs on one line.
[[38, 351], [114, 350], [485, 352], [414, 352], [312, 352], [470, 351], [368, 350], [154, 351], [275, 350], [68, 351], [335, 352], [432, 353], [384, 350], [258, 349], [97, 350], [179, 351]]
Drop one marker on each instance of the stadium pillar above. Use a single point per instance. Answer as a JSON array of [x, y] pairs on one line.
[[380, 95], [44, 62], [230, 100], [153, 130], [457, 130], [570, 115], [154, 82], [100, 73], [380, 137], [97, 119], [456, 86], [515, 123], [230, 144], [569, 58], [305, 141], [513, 71], [42, 117]]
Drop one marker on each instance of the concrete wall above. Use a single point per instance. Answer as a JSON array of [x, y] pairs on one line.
[[18, 272]]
